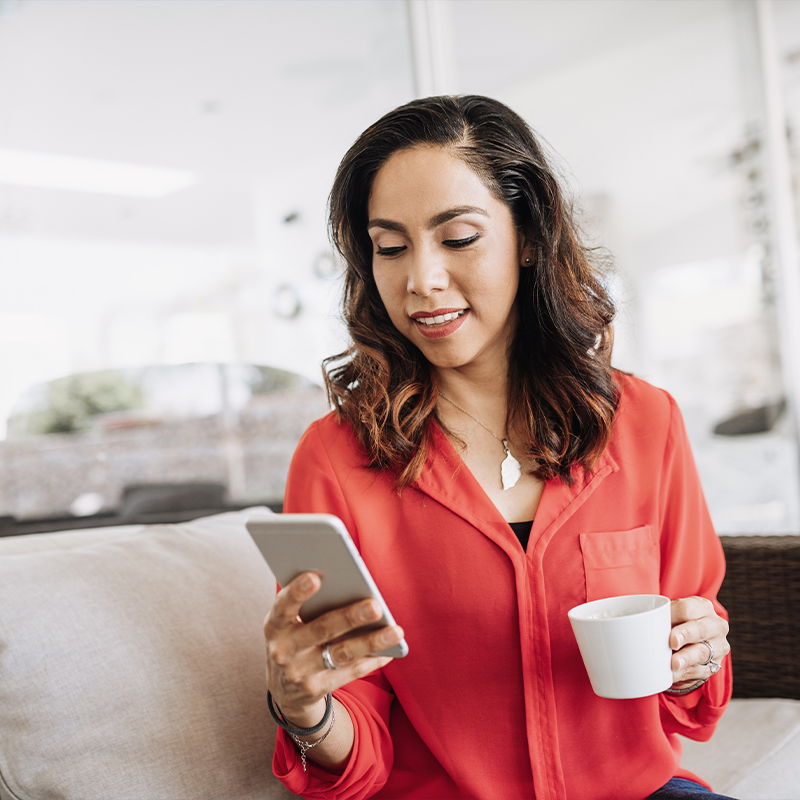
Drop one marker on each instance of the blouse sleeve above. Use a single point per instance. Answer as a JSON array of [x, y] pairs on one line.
[[312, 487], [692, 563]]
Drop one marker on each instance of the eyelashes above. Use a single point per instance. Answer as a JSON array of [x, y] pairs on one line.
[[390, 251], [453, 244], [458, 243]]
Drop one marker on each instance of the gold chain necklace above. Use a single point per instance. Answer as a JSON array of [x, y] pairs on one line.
[[510, 469]]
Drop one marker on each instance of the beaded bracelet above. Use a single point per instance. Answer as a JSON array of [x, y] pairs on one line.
[[290, 729]]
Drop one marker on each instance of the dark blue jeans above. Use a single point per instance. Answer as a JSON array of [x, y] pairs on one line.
[[683, 789]]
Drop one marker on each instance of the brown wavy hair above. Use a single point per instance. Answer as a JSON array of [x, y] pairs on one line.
[[563, 392]]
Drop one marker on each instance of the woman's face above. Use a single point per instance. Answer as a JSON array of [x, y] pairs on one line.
[[446, 258]]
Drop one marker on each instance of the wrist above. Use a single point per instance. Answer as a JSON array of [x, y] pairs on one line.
[[300, 735], [305, 717], [277, 714]]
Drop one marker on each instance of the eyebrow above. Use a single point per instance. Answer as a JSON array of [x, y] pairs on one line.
[[433, 222]]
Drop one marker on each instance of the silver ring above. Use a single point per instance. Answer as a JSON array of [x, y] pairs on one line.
[[326, 657], [710, 657], [714, 667]]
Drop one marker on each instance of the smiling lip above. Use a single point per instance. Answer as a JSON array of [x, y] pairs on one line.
[[441, 330]]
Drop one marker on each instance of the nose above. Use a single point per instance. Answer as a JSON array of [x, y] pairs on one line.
[[427, 273]]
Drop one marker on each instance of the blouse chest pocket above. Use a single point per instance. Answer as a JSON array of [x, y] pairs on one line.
[[621, 562]]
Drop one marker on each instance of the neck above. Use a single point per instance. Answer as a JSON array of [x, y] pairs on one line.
[[488, 389], [484, 401]]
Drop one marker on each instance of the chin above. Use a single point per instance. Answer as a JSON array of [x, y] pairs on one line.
[[446, 361]]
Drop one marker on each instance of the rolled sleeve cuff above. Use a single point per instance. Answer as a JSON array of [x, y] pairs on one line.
[[367, 767], [696, 714]]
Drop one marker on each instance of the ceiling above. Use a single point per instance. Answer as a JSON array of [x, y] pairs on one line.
[[243, 93], [261, 98]]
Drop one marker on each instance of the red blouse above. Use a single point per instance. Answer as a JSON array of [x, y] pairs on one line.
[[493, 700]]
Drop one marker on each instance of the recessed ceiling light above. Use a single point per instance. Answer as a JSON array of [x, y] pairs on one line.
[[51, 171]]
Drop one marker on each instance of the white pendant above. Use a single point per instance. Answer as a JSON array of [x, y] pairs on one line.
[[510, 469]]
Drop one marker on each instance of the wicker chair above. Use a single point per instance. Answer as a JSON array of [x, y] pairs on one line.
[[761, 592]]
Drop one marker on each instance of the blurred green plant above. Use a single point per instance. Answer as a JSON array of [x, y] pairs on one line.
[[72, 402], [264, 380]]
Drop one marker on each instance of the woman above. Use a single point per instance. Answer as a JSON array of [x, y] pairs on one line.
[[494, 472]]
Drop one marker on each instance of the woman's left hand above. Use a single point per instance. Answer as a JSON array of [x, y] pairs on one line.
[[695, 622]]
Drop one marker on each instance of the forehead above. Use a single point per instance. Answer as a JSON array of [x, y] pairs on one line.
[[427, 178]]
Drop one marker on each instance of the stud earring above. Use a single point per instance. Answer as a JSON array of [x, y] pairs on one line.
[[528, 262]]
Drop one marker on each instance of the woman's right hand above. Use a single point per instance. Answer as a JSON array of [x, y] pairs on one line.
[[297, 676]]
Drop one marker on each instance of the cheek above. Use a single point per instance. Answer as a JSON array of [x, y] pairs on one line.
[[381, 285], [389, 293], [499, 284], [387, 280]]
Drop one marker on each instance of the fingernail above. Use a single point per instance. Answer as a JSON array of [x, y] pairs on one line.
[[681, 663], [367, 612], [306, 582], [680, 639], [389, 636]]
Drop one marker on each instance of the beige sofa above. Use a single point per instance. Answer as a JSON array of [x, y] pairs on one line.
[[132, 664], [131, 668]]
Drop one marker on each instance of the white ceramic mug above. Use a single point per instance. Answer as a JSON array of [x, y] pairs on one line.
[[624, 642]]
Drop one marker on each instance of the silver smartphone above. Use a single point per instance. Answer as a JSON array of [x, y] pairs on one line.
[[295, 543]]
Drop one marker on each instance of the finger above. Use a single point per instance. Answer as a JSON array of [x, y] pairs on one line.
[[305, 695], [698, 630], [693, 662], [365, 666], [350, 651], [286, 607], [339, 622], [690, 657], [689, 672], [688, 608], [331, 680], [694, 619], [304, 680], [308, 673]]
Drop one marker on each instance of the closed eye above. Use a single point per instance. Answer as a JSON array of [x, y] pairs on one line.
[[457, 243], [390, 251]]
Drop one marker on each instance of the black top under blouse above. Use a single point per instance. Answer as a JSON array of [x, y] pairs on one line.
[[522, 531]]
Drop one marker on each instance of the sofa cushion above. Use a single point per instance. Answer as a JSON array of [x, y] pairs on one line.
[[132, 665], [754, 753]]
